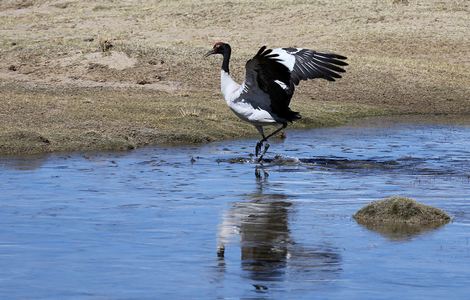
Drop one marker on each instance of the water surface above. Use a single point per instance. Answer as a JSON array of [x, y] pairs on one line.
[[195, 222]]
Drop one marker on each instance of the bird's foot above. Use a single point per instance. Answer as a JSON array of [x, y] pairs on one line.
[[221, 251], [258, 174], [266, 174]]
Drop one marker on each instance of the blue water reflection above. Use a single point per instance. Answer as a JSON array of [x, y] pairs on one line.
[[150, 223]]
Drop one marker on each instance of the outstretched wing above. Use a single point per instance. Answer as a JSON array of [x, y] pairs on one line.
[[309, 64], [267, 73], [277, 71]]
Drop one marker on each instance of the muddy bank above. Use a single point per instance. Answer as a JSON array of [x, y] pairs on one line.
[[121, 119]]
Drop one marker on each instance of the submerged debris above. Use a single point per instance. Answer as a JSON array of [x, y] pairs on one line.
[[260, 287], [400, 217], [234, 160], [284, 160]]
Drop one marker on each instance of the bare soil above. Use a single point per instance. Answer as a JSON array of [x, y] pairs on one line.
[[82, 75]]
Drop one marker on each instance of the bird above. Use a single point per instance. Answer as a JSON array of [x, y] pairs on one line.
[[263, 98]]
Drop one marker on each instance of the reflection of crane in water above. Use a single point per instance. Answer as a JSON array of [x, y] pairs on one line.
[[263, 228], [267, 249]]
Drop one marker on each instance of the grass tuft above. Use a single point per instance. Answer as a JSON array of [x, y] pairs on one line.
[[400, 218], [398, 209]]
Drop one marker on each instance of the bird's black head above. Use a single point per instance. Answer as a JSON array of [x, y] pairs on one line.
[[219, 48]]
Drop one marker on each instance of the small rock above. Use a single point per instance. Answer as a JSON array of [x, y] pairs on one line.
[[44, 140], [89, 39], [12, 68], [62, 5], [92, 66], [143, 81], [105, 45]]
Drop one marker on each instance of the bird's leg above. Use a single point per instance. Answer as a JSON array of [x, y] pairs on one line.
[[266, 146], [260, 143], [284, 125], [258, 148], [257, 173]]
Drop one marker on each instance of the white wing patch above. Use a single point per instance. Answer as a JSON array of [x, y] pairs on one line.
[[281, 84], [285, 58]]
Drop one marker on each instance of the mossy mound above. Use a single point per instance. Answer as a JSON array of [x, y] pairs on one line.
[[400, 218], [400, 210]]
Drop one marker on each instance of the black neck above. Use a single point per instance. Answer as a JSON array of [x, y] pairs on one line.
[[227, 52]]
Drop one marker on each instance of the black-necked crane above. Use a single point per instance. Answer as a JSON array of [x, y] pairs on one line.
[[271, 76]]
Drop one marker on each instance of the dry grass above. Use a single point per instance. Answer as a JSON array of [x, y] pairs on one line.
[[124, 119], [152, 85]]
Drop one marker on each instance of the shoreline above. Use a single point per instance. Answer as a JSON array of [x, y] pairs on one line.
[[375, 121]]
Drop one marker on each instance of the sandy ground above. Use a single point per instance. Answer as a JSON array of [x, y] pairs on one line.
[[83, 75]]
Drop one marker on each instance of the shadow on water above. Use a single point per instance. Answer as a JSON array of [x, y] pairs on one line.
[[404, 165], [401, 232], [268, 252], [24, 163]]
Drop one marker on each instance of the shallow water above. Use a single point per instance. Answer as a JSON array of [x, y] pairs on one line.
[[150, 223]]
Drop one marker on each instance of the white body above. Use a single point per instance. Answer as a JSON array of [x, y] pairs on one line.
[[241, 106]]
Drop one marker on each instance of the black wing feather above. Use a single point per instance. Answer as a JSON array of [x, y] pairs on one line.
[[328, 66], [269, 70], [310, 64]]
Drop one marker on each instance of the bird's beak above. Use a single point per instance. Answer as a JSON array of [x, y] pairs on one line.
[[209, 53]]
